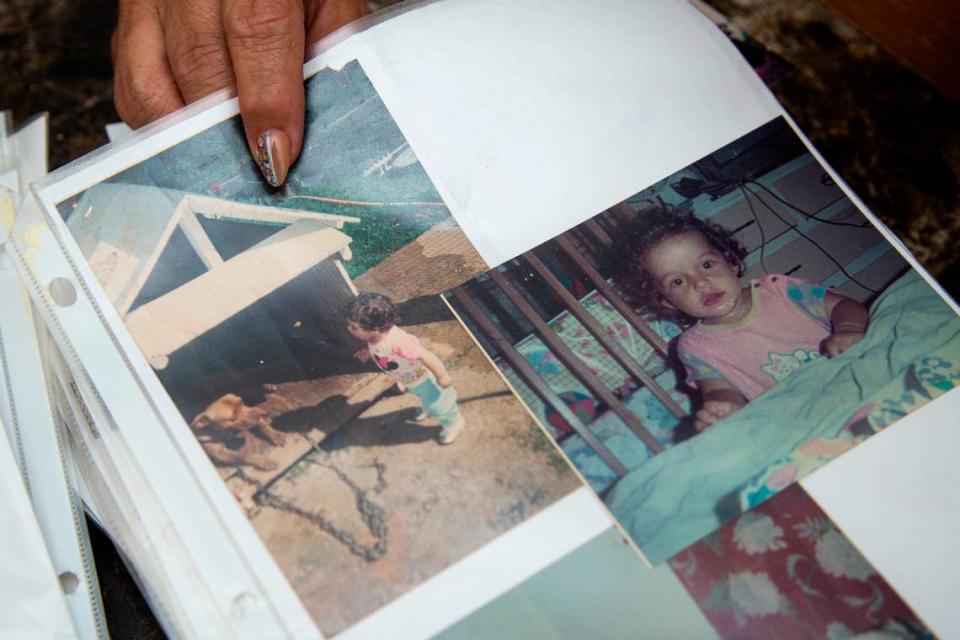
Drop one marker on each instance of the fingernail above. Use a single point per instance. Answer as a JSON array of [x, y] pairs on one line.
[[273, 156]]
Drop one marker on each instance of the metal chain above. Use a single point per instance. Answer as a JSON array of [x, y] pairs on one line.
[[371, 513]]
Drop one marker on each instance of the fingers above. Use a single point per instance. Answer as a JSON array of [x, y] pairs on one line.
[[196, 46], [171, 52], [703, 419], [712, 412], [265, 39], [832, 347], [144, 86], [716, 409]]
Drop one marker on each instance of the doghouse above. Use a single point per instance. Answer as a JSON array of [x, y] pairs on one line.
[[225, 289]]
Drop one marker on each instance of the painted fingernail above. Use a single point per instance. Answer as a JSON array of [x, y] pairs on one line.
[[273, 156]]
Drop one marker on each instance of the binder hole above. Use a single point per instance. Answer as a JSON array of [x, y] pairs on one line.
[[244, 603], [69, 582], [62, 291], [159, 362]]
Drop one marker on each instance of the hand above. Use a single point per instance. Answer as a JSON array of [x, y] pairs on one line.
[[363, 355], [168, 53], [444, 380], [713, 411], [839, 342]]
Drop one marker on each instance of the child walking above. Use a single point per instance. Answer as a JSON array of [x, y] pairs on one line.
[[740, 340], [372, 317]]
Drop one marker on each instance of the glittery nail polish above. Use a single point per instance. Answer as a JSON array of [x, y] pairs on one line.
[[273, 156]]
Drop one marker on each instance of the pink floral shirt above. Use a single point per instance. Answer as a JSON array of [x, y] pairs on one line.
[[781, 332]]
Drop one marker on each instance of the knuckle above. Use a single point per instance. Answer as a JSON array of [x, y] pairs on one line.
[[263, 26], [256, 19], [138, 99], [260, 103], [199, 56]]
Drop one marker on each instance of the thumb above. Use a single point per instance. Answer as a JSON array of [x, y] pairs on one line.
[[266, 39]]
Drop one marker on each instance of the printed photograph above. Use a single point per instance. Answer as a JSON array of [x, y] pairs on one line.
[[715, 337], [595, 591], [785, 570], [302, 336]]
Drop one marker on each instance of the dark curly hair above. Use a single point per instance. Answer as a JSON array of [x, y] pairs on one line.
[[652, 227], [372, 311]]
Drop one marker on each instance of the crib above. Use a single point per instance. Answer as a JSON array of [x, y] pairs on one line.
[[598, 375]]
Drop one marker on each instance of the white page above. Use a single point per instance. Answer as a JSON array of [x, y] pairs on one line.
[[8, 187], [896, 498], [117, 131], [523, 147], [28, 410], [30, 145], [564, 601], [32, 603]]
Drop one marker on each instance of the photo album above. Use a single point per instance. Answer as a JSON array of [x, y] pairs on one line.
[[558, 327], [48, 580]]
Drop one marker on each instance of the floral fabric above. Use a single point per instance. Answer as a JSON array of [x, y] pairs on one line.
[[586, 347], [785, 571], [927, 379], [604, 424]]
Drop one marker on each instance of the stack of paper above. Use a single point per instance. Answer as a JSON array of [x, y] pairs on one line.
[[48, 579]]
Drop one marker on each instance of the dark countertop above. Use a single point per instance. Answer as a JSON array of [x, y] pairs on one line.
[[887, 132]]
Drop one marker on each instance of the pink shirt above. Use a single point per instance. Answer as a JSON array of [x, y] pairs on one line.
[[398, 353], [782, 331]]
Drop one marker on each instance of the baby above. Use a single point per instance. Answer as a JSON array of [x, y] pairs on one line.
[[371, 317], [740, 340]]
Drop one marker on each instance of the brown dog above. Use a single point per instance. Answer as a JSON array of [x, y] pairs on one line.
[[225, 430]]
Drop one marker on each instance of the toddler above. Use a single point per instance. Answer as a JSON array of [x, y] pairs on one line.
[[740, 340], [371, 317]]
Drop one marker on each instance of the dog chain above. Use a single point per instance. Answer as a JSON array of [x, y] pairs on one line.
[[372, 514]]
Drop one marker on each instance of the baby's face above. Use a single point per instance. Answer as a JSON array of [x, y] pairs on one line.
[[695, 278], [360, 333]]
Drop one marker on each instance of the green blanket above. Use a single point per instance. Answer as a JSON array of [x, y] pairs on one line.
[[911, 354]]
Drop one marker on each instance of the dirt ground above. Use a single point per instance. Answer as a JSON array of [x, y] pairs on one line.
[[365, 503], [407, 505]]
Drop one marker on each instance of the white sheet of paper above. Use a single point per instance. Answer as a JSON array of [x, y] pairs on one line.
[[30, 147], [117, 131], [32, 602], [524, 148], [26, 407], [896, 498]]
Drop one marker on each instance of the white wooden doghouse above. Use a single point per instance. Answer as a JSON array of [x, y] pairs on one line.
[[124, 229]]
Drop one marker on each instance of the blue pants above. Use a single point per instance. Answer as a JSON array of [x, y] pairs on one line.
[[438, 402]]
